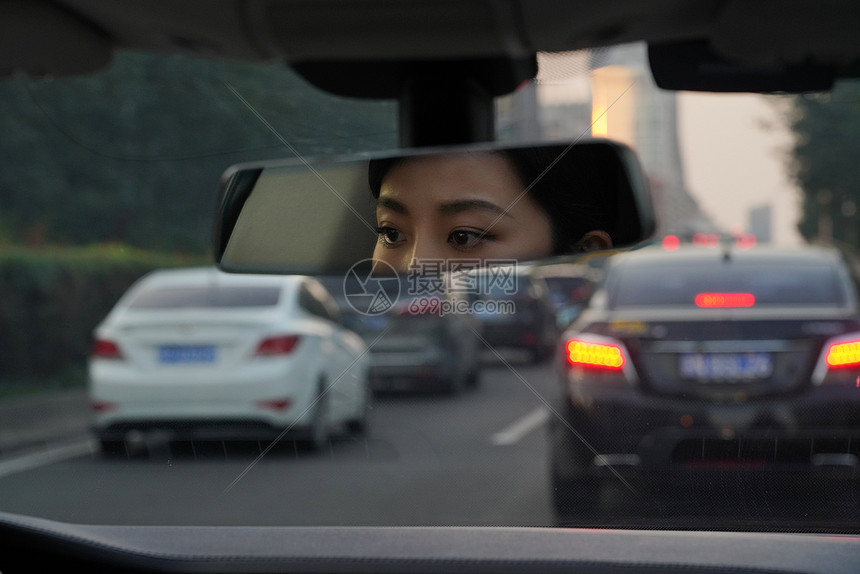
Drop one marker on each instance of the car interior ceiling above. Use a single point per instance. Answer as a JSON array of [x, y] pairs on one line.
[[470, 53]]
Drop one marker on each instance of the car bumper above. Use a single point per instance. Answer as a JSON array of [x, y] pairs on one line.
[[410, 371], [396, 378], [814, 432], [261, 401], [516, 336]]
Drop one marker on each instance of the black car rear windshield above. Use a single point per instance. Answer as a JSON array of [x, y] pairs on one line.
[[768, 283], [206, 297]]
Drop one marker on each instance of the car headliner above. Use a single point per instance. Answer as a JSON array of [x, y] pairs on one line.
[[385, 30]]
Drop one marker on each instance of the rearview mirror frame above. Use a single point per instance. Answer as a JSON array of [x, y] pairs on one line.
[[266, 205]]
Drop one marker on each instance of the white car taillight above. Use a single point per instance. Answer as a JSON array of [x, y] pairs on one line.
[[104, 349], [276, 346], [839, 363]]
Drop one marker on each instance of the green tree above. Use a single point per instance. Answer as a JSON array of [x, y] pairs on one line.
[[824, 161], [134, 154]]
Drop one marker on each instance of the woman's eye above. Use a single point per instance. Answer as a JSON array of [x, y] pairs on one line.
[[389, 236], [466, 239]]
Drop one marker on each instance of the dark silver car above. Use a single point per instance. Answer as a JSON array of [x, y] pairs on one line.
[[695, 361], [417, 344], [416, 348]]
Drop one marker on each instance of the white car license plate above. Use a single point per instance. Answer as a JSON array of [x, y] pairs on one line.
[[726, 366], [180, 354]]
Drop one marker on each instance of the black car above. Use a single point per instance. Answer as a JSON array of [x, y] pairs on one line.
[[570, 285], [699, 360], [515, 306]]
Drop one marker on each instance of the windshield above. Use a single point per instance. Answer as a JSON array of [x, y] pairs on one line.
[[205, 297], [359, 417], [768, 283]]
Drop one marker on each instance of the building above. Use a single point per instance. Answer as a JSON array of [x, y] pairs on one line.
[[610, 93], [760, 219]]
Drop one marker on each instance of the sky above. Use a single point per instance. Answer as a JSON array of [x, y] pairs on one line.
[[734, 149]]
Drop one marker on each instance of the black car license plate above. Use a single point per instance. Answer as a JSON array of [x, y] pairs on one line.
[[726, 367]]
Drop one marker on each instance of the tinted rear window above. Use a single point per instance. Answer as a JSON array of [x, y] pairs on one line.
[[769, 283], [573, 289], [206, 297]]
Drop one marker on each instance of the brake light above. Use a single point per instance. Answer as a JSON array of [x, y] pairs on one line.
[[746, 241], [710, 300], [671, 243], [280, 345], [275, 404], [844, 354], [708, 240], [596, 355], [839, 361], [103, 406], [104, 349]]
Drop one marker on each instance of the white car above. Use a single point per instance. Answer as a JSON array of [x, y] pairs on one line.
[[198, 354]]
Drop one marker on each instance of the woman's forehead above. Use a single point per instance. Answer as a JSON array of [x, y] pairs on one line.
[[452, 176]]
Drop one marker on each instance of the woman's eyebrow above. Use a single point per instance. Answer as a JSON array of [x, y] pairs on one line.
[[461, 205], [392, 204]]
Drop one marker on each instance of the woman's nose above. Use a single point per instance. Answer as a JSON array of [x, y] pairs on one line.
[[424, 252]]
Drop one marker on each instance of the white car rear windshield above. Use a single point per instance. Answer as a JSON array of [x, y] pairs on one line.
[[206, 297]]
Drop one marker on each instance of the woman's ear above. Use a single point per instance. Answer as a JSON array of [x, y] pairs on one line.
[[593, 241]]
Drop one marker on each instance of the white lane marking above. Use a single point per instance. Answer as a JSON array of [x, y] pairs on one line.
[[514, 432], [43, 458]]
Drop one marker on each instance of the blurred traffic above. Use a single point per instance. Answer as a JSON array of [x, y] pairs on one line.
[[672, 361]]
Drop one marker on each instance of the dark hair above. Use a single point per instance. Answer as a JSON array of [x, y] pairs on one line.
[[559, 178]]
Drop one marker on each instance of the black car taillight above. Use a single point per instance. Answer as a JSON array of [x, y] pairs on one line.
[[839, 362], [598, 359], [843, 355], [595, 355]]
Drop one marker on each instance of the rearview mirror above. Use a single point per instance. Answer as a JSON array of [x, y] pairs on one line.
[[320, 216]]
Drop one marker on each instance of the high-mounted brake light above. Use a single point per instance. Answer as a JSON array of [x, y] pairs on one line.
[[281, 345], [708, 240], [844, 354], [104, 406], [104, 349], [746, 241], [597, 355], [725, 300], [281, 404], [671, 243]]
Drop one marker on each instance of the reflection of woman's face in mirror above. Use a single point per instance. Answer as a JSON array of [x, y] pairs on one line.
[[468, 206]]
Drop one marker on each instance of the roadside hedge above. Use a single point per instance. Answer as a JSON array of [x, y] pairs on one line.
[[52, 298]]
